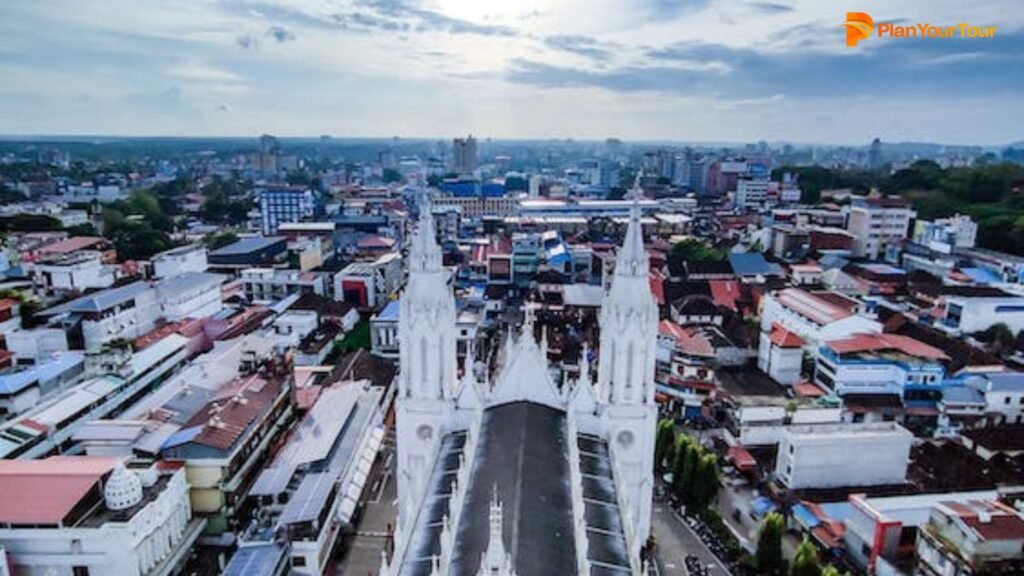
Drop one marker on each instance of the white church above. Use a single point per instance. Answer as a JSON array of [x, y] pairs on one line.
[[518, 476]]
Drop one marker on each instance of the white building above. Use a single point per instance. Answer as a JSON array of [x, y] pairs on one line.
[[191, 258], [883, 527], [36, 344], [126, 312], [75, 272], [879, 226], [945, 234], [751, 193], [190, 295], [970, 309], [99, 517], [781, 355], [795, 315], [270, 284], [842, 455], [973, 537], [523, 431], [1004, 396], [370, 284]]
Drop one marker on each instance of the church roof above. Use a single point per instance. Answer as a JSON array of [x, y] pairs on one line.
[[523, 457]]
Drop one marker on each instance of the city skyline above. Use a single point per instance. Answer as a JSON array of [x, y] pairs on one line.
[[721, 71]]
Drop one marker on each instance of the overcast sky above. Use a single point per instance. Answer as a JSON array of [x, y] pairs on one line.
[[695, 70]]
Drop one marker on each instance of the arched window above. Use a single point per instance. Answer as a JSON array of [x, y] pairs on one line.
[[424, 365]]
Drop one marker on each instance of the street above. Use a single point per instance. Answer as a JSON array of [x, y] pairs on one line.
[[675, 540], [361, 552]]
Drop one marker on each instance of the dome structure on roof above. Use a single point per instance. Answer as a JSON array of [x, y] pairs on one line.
[[123, 489]]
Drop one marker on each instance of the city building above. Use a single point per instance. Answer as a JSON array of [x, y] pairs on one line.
[[843, 455], [74, 272], [121, 313], [79, 515], [176, 261], [189, 295], [879, 226], [248, 252], [463, 155], [882, 364], [370, 284], [812, 317], [971, 309], [887, 528], [311, 488], [225, 443], [972, 537], [264, 285], [280, 204], [21, 388]]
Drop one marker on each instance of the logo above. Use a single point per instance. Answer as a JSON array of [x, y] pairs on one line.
[[859, 26]]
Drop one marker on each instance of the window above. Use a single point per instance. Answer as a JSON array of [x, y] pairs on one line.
[[80, 571], [298, 561]]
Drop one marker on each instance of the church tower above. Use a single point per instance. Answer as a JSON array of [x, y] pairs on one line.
[[625, 384], [427, 375]]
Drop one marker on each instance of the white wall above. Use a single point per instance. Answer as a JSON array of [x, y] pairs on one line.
[[828, 456], [36, 343]]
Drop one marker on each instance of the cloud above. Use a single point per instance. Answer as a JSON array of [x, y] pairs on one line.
[[248, 42], [280, 33], [199, 72], [582, 46], [771, 7]]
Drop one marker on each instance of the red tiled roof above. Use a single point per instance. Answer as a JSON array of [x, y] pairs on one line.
[[877, 342], [821, 308], [725, 293], [688, 341], [1000, 522], [658, 286], [807, 390], [6, 303], [71, 245], [237, 405], [46, 491], [784, 338], [741, 458]]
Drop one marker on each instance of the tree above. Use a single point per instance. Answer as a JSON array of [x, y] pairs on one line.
[[833, 571], [1000, 338], [805, 562], [663, 441], [769, 546], [683, 444], [220, 239], [392, 176], [690, 461], [705, 486]]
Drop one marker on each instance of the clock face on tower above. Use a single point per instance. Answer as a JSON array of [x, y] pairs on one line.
[[425, 432], [625, 438]]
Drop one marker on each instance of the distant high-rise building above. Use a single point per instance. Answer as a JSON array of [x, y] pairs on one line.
[[464, 155], [280, 204], [875, 154]]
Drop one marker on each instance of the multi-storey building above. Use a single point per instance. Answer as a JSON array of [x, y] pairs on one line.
[[279, 204], [879, 226]]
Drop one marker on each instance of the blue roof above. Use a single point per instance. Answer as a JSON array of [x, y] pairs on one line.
[[102, 300], [982, 275], [183, 436], [1006, 382], [247, 245], [830, 261], [753, 264], [804, 516], [14, 382], [962, 395], [390, 312], [762, 505], [257, 560]]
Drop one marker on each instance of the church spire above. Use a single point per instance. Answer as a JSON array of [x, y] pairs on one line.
[[495, 560], [632, 259], [425, 253]]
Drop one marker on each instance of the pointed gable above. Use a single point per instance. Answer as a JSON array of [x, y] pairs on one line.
[[525, 376]]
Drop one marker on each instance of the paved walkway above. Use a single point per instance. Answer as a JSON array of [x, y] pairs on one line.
[[675, 540]]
